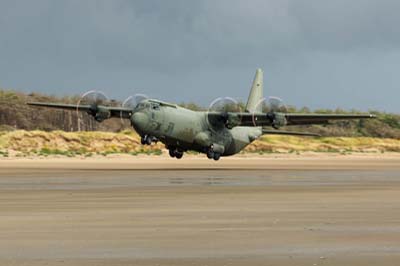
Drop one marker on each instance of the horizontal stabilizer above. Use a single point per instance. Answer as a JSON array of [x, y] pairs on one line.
[[293, 133]]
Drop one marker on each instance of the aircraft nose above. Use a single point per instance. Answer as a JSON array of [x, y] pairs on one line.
[[140, 120]]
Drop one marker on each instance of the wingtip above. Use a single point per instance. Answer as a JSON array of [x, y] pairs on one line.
[[34, 103]]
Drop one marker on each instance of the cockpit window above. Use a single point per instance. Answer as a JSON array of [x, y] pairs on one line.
[[155, 106]]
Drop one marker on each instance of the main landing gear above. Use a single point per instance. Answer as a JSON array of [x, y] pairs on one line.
[[147, 140], [178, 154], [213, 155]]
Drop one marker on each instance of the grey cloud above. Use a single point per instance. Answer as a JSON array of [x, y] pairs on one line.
[[314, 52]]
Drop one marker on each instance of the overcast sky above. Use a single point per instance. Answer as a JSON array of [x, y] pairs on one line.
[[317, 53]]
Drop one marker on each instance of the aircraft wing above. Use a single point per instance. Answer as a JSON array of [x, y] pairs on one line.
[[266, 131], [60, 106], [91, 109], [309, 119], [278, 120]]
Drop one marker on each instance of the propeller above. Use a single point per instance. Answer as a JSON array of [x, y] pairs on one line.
[[275, 110], [95, 99], [270, 105], [132, 102], [217, 112]]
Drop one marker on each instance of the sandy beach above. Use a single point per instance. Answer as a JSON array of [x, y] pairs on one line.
[[245, 210]]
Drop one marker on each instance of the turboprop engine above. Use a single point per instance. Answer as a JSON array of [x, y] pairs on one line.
[[100, 114], [274, 109], [95, 99], [278, 120]]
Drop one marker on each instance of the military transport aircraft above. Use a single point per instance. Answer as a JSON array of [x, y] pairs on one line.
[[223, 130]]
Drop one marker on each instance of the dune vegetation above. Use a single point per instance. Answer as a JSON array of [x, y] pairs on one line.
[[22, 143]]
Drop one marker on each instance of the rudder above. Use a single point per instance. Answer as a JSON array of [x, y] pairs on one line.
[[256, 93]]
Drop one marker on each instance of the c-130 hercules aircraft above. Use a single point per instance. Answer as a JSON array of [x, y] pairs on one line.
[[223, 130]]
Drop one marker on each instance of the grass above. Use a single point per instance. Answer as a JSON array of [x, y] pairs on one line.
[[87, 144]]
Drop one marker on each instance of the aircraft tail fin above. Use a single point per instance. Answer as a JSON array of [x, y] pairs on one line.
[[256, 93]]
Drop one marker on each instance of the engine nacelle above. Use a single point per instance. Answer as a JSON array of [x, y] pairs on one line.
[[279, 120], [232, 120], [101, 114]]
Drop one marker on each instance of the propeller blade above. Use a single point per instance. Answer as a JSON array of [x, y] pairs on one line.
[[218, 110], [94, 99], [271, 106], [132, 102]]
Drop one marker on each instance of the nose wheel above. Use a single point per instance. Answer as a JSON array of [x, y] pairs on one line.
[[148, 140]]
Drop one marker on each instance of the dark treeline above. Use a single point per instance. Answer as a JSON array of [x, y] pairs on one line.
[[15, 114]]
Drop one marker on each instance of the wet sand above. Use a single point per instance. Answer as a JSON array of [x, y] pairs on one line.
[[315, 210]]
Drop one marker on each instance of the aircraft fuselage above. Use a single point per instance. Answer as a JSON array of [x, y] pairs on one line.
[[184, 129]]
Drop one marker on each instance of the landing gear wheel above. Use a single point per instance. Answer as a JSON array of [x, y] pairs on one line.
[[173, 152], [178, 154], [216, 156], [210, 154], [146, 140]]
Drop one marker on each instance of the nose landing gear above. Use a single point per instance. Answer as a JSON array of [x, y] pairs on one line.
[[148, 140]]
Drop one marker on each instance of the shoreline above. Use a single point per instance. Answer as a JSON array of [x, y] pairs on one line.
[[304, 161], [164, 154]]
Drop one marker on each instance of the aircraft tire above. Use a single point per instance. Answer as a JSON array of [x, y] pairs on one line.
[[216, 156], [172, 153], [148, 140], [210, 154], [143, 141], [178, 154]]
